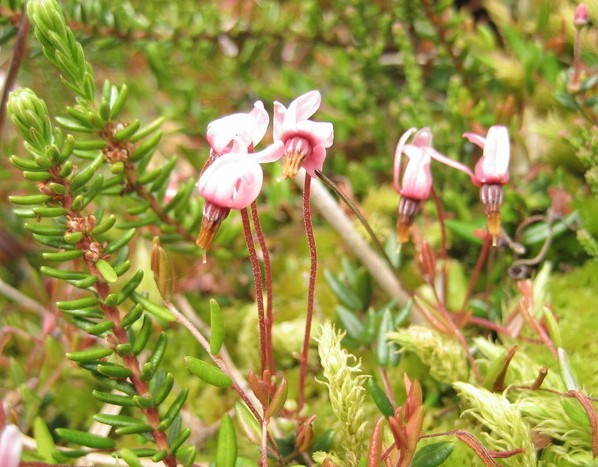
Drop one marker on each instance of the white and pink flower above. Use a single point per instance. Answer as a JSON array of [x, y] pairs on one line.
[[305, 141]]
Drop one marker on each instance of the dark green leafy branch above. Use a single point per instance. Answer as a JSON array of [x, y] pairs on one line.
[[68, 176]]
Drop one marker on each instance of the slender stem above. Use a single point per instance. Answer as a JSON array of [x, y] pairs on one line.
[[264, 457], [23, 300], [268, 278], [459, 336], [330, 184], [259, 297], [334, 215], [313, 254], [444, 250], [387, 385], [474, 278], [15, 64]]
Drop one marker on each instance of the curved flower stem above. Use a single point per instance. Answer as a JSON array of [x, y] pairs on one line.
[[313, 254], [330, 210], [15, 64], [259, 297], [268, 277], [330, 184]]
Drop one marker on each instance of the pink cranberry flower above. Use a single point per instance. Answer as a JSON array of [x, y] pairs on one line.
[[416, 181], [305, 141], [232, 176], [11, 446], [491, 172]]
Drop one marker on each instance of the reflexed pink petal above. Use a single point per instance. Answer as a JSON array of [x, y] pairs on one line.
[[247, 128], [232, 181], [270, 154], [417, 178], [398, 155], [321, 133], [450, 162], [222, 131], [279, 115], [475, 139], [315, 161], [11, 446], [261, 120], [305, 105]]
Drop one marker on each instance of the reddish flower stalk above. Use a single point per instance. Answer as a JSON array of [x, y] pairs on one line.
[[259, 297], [474, 278], [310, 290], [268, 278]]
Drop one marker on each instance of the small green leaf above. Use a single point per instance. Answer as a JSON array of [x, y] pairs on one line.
[[106, 271], [216, 327], [79, 303], [208, 373], [342, 292], [433, 455], [174, 409], [113, 370], [380, 399], [85, 439], [350, 322], [156, 310], [127, 131], [226, 455], [114, 399], [44, 440], [89, 355], [28, 200], [129, 457]]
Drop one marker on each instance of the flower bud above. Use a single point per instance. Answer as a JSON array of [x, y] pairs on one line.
[[580, 18]]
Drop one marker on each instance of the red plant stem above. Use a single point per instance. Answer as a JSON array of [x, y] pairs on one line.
[[309, 232], [586, 403], [264, 457], [387, 386], [268, 277], [15, 64], [257, 277], [538, 329], [475, 276], [120, 334], [443, 248], [459, 336]]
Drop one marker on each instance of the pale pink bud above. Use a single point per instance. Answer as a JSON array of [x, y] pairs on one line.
[[580, 18]]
